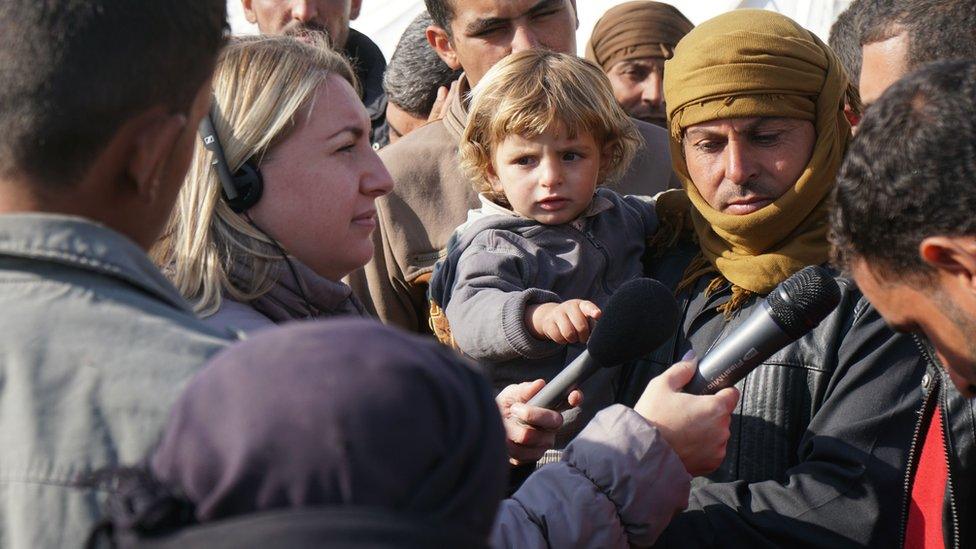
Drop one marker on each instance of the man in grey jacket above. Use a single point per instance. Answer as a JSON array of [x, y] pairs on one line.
[[101, 101]]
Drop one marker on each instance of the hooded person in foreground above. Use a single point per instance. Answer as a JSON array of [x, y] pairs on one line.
[[305, 437], [821, 433]]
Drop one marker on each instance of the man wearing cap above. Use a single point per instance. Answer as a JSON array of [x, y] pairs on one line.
[[631, 42], [821, 434]]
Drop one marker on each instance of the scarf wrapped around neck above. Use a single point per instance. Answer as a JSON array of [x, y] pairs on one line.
[[285, 301], [745, 64]]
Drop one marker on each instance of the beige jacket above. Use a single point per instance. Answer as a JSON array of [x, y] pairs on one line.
[[432, 198]]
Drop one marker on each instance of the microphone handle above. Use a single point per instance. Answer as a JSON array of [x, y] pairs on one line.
[[553, 396], [757, 339]]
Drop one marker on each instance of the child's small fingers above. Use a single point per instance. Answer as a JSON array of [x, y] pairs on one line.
[[581, 324], [567, 329], [590, 309]]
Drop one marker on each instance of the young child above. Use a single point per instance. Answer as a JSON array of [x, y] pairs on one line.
[[527, 274]]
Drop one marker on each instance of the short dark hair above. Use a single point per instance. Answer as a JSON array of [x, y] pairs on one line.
[[911, 171], [845, 39], [71, 73], [415, 71], [441, 12], [937, 29]]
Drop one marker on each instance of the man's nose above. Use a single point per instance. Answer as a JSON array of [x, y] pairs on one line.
[[303, 10], [739, 167], [653, 89], [524, 38]]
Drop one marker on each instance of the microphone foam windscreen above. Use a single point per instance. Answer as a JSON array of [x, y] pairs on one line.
[[801, 301], [639, 317]]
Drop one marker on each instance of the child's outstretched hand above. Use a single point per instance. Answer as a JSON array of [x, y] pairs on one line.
[[566, 322]]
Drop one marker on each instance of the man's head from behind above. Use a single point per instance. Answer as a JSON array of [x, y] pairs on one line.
[[412, 79], [631, 42], [295, 16], [903, 220], [100, 102], [473, 35], [898, 36]]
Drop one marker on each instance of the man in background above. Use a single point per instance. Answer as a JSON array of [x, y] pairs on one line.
[[101, 103], [414, 80], [631, 42], [898, 36], [845, 40], [331, 17]]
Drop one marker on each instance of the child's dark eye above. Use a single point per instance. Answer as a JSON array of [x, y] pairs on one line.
[[571, 156], [523, 161]]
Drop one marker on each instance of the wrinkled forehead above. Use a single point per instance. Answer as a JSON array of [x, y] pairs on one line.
[[729, 126], [469, 11]]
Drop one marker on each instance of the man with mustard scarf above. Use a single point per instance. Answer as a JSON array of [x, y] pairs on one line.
[[819, 440]]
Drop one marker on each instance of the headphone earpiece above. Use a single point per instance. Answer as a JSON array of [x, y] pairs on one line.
[[249, 185], [242, 189]]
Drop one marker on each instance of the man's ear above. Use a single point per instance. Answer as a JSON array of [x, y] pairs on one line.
[[155, 135], [441, 42], [354, 8], [249, 14], [954, 256]]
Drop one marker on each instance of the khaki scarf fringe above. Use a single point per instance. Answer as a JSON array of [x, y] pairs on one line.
[[675, 224]]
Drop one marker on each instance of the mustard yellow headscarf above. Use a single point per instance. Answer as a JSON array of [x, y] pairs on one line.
[[757, 63]]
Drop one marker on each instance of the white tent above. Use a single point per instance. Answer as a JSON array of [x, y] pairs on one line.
[[384, 20]]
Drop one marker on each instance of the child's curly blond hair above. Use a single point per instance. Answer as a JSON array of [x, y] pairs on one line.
[[529, 93]]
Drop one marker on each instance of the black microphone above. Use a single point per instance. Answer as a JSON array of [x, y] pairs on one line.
[[639, 316], [791, 310]]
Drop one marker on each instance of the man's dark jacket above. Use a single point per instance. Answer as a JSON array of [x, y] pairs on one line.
[[820, 438], [959, 437], [368, 62]]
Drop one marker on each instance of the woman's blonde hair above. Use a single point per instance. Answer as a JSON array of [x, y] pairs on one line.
[[260, 85], [531, 92]]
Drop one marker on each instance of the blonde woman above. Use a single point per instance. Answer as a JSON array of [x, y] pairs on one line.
[[295, 137], [286, 112]]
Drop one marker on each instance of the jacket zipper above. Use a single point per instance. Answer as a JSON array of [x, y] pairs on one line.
[[943, 402], [913, 456], [913, 451], [606, 258]]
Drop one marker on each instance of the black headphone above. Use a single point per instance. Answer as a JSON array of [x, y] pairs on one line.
[[243, 188]]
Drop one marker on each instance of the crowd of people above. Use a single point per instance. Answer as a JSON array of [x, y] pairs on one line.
[[213, 249]]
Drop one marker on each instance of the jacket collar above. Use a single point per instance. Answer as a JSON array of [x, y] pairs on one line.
[[84, 244], [457, 112]]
